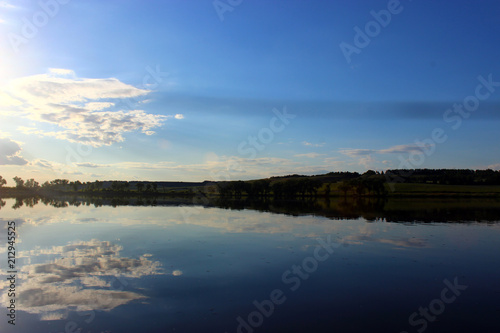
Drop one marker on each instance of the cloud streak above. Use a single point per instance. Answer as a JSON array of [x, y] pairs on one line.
[[305, 143], [400, 149], [309, 155], [365, 158]]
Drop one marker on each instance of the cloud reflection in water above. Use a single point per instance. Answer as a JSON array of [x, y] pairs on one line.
[[85, 276]]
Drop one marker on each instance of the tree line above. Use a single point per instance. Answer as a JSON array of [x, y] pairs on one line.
[[370, 183], [64, 185]]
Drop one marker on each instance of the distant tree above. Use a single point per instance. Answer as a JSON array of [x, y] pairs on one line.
[[313, 186], [32, 184], [148, 187], [2, 181], [140, 187], [115, 186], [277, 188], [223, 189], [19, 182], [344, 187], [359, 187], [369, 173], [88, 186], [119, 186], [239, 187], [98, 185], [291, 187], [250, 189], [327, 190], [59, 184], [76, 185], [261, 187], [155, 187], [19, 203]]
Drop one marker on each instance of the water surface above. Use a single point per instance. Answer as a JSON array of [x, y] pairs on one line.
[[192, 268]]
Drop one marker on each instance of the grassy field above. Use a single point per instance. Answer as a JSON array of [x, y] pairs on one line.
[[436, 189]]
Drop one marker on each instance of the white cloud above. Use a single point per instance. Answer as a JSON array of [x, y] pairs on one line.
[[98, 128], [305, 143], [494, 166], [43, 164], [179, 116], [62, 71], [9, 153], [7, 101], [57, 88], [91, 165], [97, 106], [309, 155], [80, 107]]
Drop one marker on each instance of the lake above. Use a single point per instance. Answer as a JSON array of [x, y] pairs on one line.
[[168, 265]]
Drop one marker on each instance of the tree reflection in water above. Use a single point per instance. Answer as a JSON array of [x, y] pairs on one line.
[[371, 209]]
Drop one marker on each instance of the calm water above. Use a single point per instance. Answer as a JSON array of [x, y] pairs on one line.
[[206, 269]]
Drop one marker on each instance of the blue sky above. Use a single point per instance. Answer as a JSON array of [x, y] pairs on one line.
[[197, 90]]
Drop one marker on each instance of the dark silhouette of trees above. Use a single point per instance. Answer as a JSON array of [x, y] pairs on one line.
[[277, 188], [327, 190], [118, 186], [75, 185], [238, 188], [19, 203], [2, 181], [344, 187], [19, 182], [291, 187], [31, 184], [93, 187]]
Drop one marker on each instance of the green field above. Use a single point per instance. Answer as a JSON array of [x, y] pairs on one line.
[[436, 189]]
